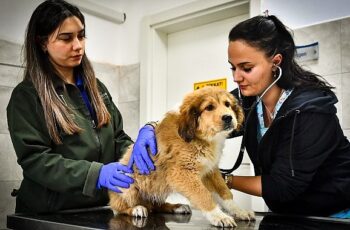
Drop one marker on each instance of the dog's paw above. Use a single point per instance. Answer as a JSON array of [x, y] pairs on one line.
[[220, 219], [234, 210], [139, 211], [114, 212], [139, 222], [223, 221], [241, 214], [183, 209]]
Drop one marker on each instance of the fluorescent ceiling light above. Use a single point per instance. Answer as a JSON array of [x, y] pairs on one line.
[[99, 11]]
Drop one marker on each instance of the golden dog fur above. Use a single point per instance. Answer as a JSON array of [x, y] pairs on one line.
[[190, 144]]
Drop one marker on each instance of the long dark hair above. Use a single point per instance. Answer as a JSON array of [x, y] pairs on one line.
[[270, 35], [46, 18]]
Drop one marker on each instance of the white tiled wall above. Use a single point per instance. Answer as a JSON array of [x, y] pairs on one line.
[[10, 172], [129, 97], [345, 73], [345, 44], [334, 60], [328, 36], [123, 82]]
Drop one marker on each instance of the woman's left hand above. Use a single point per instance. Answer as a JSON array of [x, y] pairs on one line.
[[146, 139]]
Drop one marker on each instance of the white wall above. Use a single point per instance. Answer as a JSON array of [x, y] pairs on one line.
[[14, 15], [103, 37], [120, 44], [295, 14], [130, 31], [302, 13], [106, 42]]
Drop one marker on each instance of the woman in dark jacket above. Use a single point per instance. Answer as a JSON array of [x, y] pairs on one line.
[[292, 134], [65, 128]]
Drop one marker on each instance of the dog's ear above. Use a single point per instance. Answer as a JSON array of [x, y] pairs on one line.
[[239, 114], [188, 123]]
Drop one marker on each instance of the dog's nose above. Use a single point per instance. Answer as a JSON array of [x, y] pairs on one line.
[[227, 119]]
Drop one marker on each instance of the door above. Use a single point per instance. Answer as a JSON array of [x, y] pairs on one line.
[[200, 54]]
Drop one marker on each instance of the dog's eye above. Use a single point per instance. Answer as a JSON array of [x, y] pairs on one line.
[[209, 108], [227, 104]]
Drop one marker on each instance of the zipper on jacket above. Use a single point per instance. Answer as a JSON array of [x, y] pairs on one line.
[[97, 137], [99, 144], [291, 143], [104, 95], [62, 99], [93, 123]]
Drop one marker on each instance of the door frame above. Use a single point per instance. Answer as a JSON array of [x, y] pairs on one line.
[[154, 48]]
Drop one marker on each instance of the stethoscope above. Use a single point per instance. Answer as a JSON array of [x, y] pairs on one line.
[[242, 148]]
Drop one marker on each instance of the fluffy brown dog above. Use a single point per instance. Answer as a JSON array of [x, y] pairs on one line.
[[190, 144]]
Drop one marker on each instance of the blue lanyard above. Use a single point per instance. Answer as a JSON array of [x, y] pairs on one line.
[[80, 84]]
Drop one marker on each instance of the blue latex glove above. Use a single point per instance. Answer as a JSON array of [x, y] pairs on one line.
[[112, 176], [146, 139]]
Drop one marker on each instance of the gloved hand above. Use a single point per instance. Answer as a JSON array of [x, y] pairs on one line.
[[112, 175], [146, 139]]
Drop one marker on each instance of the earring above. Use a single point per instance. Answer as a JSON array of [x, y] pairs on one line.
[[279, 72], [274, 74], [274, 71]]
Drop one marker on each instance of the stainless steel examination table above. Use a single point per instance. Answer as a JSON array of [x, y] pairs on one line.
[[103, 218]]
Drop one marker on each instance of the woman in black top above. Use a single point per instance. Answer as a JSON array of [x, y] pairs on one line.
[[292, 133]]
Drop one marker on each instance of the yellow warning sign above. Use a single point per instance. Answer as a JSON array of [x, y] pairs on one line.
[[217, 82]]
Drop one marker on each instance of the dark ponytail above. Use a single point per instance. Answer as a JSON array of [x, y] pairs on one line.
[[271, 36]]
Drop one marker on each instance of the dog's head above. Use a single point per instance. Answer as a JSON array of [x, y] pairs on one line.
[[207, 112]]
